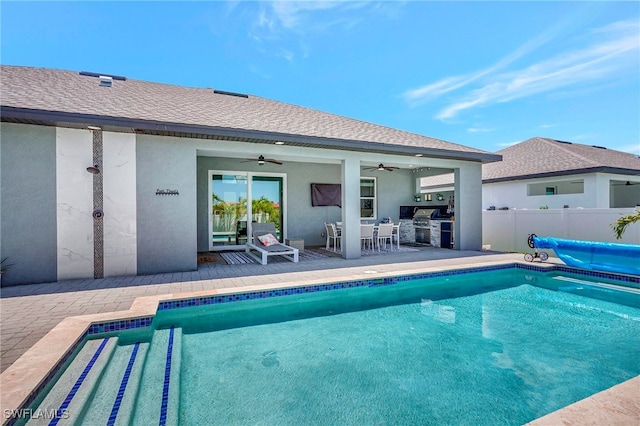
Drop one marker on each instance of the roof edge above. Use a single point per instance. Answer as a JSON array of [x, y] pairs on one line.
[[599, 169], [54, 117]]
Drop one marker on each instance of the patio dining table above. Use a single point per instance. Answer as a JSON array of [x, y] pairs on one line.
[[396, 231]]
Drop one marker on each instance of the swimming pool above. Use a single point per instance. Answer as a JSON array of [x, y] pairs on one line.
[[504, 346]]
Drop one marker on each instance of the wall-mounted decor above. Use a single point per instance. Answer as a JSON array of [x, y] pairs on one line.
[[439, 197], [417, 198], [167, 192], [427, 197]]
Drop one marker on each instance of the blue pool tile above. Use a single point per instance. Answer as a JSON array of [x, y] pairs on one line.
[[123, 385], [167, 378], [77, 384], [201, 301]]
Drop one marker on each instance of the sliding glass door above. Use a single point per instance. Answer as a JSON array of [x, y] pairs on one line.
[[228, 208], [237, 196], [266, 201]]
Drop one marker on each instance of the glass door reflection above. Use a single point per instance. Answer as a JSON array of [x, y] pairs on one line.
[[266, 201], [229, 210]]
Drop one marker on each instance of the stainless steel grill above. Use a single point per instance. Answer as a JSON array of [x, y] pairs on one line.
[[422, 225]]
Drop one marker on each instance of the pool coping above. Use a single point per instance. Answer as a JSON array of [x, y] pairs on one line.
[[26, 377]]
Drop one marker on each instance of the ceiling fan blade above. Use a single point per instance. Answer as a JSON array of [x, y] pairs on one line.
[[261, 160], [382, 167]]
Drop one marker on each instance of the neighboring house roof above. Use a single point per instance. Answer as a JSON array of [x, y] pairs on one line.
[[68, 99], [441, 182], [542, 157]]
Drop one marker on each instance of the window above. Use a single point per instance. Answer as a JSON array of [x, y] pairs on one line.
[[575, 186], [368, 198]]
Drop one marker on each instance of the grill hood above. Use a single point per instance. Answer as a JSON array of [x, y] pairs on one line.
[[423, 213]]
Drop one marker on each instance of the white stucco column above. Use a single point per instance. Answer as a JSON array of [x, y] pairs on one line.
[[351, 208], [468, 207], [602, 191]]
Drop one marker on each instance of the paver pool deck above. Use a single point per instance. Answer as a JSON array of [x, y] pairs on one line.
[[29, 312]]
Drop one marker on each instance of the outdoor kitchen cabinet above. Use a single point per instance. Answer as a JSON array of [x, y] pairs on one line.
[[442, 233]]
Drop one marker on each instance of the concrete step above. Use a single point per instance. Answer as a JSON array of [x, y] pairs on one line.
[[74, 388], [114, 398], [159, 392]]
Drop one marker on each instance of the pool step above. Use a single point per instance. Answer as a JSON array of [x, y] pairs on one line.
[[159, 392], [114, 399], [75, 386]]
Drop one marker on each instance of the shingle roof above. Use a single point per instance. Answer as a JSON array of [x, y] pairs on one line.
[[538, 156], [28, 92]]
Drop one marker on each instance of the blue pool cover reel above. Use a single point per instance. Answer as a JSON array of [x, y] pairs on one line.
[[593, 255]]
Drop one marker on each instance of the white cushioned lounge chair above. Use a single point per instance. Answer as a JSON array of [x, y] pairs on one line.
[[264, 251]]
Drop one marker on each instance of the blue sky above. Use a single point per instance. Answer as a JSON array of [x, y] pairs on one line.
[[482, 74]]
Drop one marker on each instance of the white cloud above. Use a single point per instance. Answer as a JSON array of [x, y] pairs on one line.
[[479, 130], [632, 148], [287, 54], [506, 144], [425, 93], [304, 17], [614, 51], [291, 25]]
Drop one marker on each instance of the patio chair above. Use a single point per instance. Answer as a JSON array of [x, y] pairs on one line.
[[366, 236], [333, 235], [396, 234], [268, 246], [385, 233]]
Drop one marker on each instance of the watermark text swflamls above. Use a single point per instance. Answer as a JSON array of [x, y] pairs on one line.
[[38, 413]]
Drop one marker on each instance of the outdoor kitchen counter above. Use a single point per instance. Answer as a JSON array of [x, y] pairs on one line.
[[407, 231]]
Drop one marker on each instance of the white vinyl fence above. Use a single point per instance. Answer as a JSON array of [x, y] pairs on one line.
[[508, 230]]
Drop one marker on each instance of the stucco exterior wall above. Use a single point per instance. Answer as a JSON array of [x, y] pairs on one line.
[[166, 224], [514, 194], [598, 193], [28, 207]]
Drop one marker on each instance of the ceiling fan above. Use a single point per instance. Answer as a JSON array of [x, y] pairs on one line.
[[382, 167], [627, 183], [261, 160]]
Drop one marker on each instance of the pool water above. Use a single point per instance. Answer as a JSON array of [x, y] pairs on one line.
[[501, 347]]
